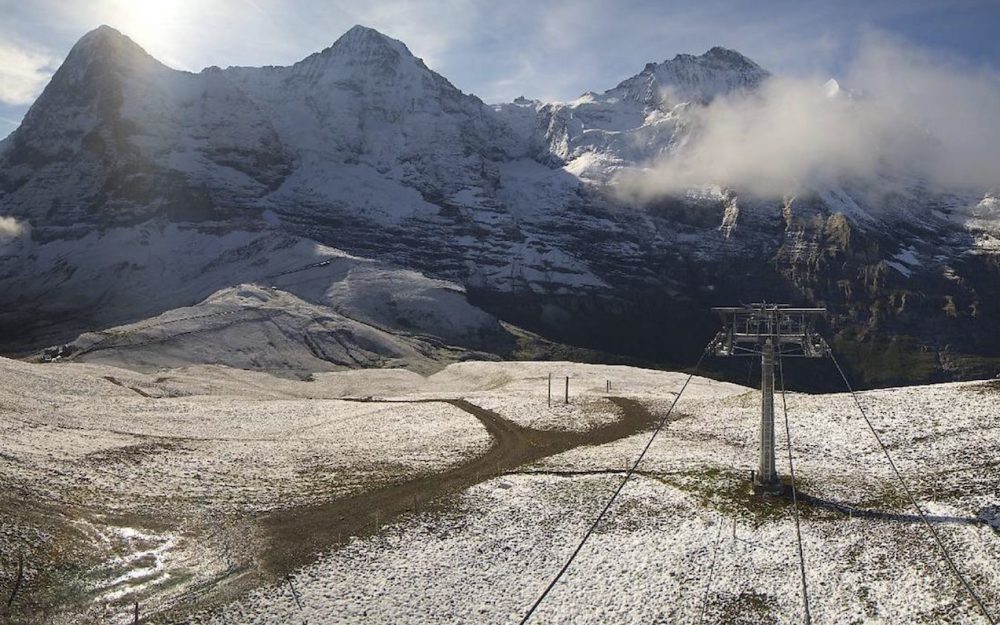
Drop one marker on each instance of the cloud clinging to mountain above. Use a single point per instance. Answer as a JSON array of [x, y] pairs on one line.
[[905, 111]]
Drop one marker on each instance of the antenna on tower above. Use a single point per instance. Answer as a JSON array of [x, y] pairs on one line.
[[767, 330]]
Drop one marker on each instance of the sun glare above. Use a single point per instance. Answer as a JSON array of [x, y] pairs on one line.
[[154, 25]]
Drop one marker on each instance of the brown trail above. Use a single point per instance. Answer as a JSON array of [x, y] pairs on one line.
[[298, 536]]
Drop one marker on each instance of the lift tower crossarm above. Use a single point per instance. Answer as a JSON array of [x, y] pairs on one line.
[[768, 330]]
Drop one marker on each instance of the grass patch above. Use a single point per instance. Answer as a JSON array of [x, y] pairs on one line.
[[731, 494], [747, 608], [902, 360], [888, 497], [991, 387], [972, 365]]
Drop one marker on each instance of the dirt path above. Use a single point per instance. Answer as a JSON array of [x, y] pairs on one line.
[[296, 537], [293, 538]]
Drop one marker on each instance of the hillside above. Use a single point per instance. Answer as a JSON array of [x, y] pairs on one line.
[[387, 496]]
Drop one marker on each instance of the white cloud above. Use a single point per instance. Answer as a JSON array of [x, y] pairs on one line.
[[23, 72], [955, 105], [913, 114], [11, 228]]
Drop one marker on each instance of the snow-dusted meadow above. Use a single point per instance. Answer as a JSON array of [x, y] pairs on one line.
[[155, 487], [667, 553]]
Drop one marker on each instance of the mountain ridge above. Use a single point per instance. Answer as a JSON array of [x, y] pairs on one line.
[[361, 147], [687, 77]]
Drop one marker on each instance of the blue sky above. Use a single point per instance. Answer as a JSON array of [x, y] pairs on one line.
[[551, 50]]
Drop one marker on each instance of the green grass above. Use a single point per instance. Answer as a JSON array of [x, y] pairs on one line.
[[888, 498], [747, 608], [902, 360], [730, 493], [987, 388]]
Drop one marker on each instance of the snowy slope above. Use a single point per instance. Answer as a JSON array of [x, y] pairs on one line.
[[126, 274], [253, 327], [362, 147], [205, 452]]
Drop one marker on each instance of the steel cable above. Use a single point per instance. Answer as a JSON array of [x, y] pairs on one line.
[[795, 498], [909, 495], [614, 496]]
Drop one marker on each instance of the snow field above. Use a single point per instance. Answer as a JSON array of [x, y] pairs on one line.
[[236, 453], [214, 441], [188, 461], [666, 553], [660, 558]]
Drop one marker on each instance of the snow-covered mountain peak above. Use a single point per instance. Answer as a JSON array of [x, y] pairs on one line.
[[362, 40], [645, 115], [108, 47], [362, 55], [729, 57], [367, 48], [689, 78], [85, 94]]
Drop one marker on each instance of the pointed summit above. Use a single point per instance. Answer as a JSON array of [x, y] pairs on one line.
[[101, 33], [362, 38], [366, 45], [361, 54], [100, 54], [108, 45], [726, 56], [689, 78]]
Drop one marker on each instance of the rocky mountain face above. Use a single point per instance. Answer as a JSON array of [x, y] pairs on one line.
[[364, 149]]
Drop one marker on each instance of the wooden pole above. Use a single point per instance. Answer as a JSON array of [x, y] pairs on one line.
[[550, 390], [567, 389], [135, 614]]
